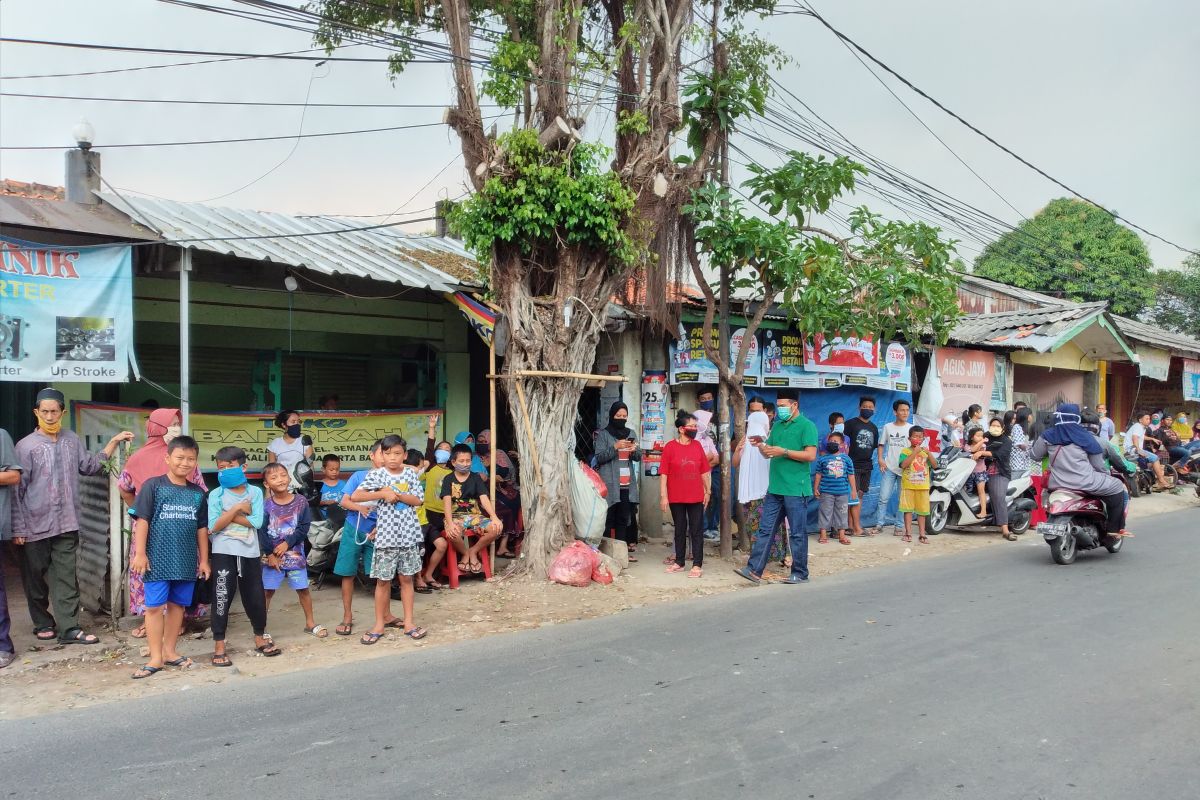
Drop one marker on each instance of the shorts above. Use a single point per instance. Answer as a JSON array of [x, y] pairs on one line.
[[353, 557], [472, 522], [977, 478], [177, 593], [862, 480], [392, 561], [273, 578], [914, 501], [832, 514]]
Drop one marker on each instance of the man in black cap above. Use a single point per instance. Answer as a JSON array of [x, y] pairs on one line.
[[46, 518]]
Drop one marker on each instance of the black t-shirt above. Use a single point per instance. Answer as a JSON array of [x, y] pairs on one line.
[[862, 439], [464, 496]]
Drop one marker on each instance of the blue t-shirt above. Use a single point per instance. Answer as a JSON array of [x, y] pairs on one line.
[[175, 514], [353, 518], [835, 471], [333, 493]]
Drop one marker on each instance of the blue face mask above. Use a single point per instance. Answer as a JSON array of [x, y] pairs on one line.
[[706, 405], [839, 427], [784, 413], [231, 477], [441, 456]]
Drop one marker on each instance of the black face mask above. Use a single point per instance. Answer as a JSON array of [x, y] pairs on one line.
[[866, 413], [293, 431]]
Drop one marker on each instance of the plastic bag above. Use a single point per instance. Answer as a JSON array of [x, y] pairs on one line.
[[589, 509], [574, 565], [600, 573], [597, 481]]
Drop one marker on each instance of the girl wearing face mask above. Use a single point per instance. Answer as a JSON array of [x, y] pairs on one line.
[[290, 448], [150, 461], [686, 488], [617, 462], [999, 469]]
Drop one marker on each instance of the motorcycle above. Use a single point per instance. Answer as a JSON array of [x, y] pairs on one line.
[[953, 502], [1075, 522]]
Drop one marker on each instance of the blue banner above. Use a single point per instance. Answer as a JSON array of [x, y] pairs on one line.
[[66, 313]]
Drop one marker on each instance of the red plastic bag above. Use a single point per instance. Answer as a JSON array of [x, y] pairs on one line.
[[574, 565], [600, 573], [597, 481]]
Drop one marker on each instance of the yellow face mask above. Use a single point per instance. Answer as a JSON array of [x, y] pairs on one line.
[[49, 428]]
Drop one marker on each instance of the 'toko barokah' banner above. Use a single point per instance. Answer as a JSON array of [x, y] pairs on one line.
[[65, 314], [347, 434]]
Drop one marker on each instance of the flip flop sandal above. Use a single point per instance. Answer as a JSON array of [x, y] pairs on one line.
[[139, 632], [395, 623], [696, 572], [416, 633], [345, 629], [907, 537], [370, 638], [148, 670], [923, 540], [220, 660], [319, 631], [422, 590], [437, 587], [269, 649], [476, 567], [674, 568], [79, 637], [822, 540], [182, 661], [845, 540], [45, 634]]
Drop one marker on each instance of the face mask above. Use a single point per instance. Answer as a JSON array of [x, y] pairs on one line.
[[293, 431], [173, 431], [462, 469], [832, 447], [690, 433], [866, 413], [706, 405], [483, 448], [839, 428], [784, 413], [995, 431], [1181, 420], [231, 477], [50, 428], [441, 456], [1155, 420]]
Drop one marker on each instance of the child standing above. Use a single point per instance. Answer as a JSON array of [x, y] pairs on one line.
[[285, 527], [398, 489], [332, 486], [356, 549], [834, 487], [171, 536], [235, 513], [977, 444], [915, 466]]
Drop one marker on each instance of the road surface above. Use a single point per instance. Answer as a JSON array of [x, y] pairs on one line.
[[992, 674]]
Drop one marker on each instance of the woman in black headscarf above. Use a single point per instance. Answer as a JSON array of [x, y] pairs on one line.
[[617, 458], [999, 471]]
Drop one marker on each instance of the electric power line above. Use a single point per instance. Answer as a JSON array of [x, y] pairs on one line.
[[266, 104]]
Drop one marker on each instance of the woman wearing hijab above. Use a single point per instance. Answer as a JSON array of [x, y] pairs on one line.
[[467, 438], [1077, 463], [753, 475], [999, 471], [150, 461], [617, 459], [483, 448]]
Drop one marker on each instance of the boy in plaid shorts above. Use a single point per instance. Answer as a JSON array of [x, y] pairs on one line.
[[398, 536]]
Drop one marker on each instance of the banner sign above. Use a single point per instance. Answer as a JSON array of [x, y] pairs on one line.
[[1153, 363], [347, 434], [654, 410], [968, 377], [689, 359], [827, 363], [65, 315], [1191, 380]]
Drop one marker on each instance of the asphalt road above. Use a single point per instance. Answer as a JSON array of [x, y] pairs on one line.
[[991, 674]]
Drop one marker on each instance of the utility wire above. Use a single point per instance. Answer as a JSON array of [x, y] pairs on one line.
[[265, 104], [218, 53]]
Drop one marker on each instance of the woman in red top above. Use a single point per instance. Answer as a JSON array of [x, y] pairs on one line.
[[686, 487]]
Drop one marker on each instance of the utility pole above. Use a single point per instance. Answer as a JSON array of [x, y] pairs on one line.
[[723, 409]]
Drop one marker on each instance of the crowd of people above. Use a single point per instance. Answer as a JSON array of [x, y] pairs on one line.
[[194, 551]]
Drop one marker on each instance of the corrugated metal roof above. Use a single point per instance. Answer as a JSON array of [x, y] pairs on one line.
[[1039, 330], [1177, 343], [966, 279], [435, 263], [60, 215]]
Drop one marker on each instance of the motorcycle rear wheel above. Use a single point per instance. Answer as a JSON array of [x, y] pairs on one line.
[[1064, 549]]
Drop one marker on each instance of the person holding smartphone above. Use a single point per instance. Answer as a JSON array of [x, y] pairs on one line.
[[754, 470], [617, 458]]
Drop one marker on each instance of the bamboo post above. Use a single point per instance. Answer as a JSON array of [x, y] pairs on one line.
[[537, 467], [116, 542], [492, 445]]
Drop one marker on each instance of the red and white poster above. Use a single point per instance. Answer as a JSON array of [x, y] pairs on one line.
[[845, 354], [966, 377]]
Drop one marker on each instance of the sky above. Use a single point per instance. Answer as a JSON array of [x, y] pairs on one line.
[[1100, 94]]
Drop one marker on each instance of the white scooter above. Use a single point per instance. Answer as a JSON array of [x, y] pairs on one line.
[[952, 502]]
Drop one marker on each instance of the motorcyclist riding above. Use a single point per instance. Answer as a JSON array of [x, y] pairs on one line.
[[1077, 464]]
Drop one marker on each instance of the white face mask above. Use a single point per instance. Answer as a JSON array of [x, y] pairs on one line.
[[172, 432]]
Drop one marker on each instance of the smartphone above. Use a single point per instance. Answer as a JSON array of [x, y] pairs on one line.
[[756, 440]]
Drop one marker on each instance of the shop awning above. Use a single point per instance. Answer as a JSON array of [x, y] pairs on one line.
[[330, 245]]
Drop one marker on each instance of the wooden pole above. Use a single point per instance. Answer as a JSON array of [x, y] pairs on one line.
[[537, 467], [492, 445]]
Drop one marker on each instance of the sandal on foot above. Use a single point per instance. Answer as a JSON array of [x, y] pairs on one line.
[[182, 661], [345, 629], [923, 540], [370, 638], [476, 567], [47, 634], [907, 537], [269, 649], [422, 589], [139, 632], [145, 672], [844, 540], [696, 572], [394, 622], [822, 540], [416, 632], [220, 660], [675, 568], [437, 587], [79, 637], [319, 631]]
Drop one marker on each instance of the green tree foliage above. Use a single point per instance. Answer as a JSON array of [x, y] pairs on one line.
[[1177, 306], [1076, 250]]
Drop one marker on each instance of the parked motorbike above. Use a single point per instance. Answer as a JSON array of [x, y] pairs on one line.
[[1075, 522], [952, 502]]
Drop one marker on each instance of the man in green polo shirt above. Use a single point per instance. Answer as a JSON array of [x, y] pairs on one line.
[[791, 447]]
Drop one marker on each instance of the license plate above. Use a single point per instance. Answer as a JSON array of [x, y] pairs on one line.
[[1052, 529]]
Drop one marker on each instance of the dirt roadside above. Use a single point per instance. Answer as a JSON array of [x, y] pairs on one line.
[[43, 680]]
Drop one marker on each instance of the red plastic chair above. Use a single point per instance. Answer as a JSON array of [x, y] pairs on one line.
[[449, 565]]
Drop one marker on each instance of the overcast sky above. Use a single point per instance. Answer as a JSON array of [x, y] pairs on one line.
[[1101, 94]]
